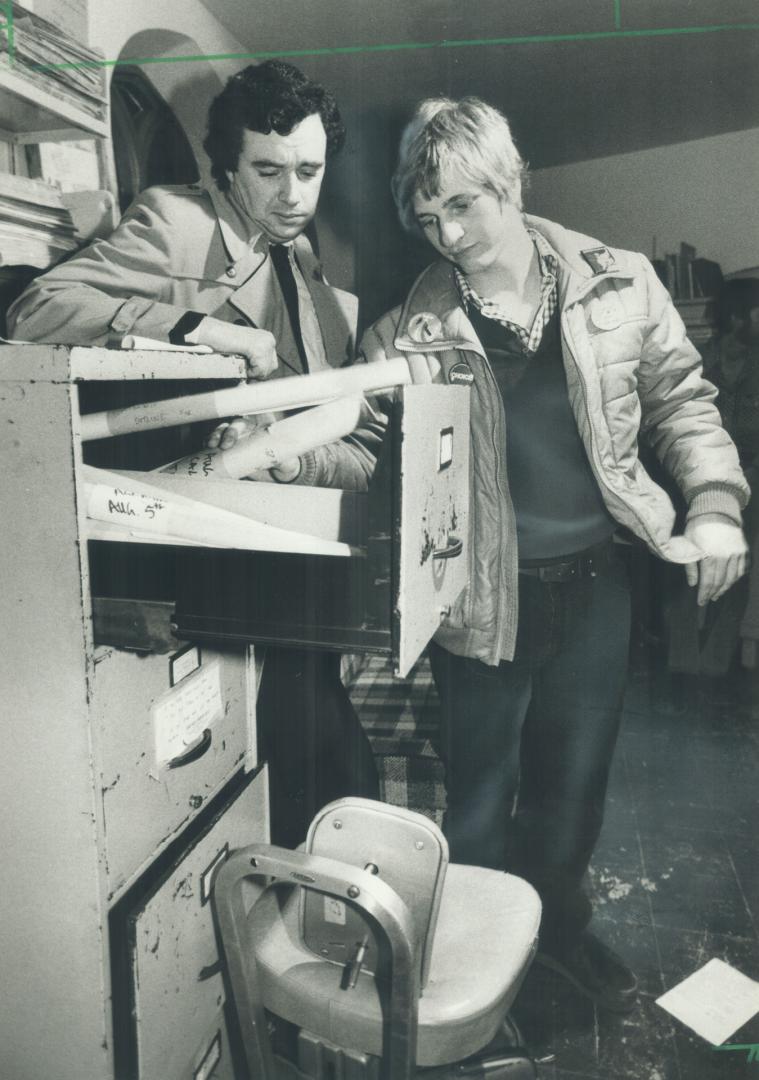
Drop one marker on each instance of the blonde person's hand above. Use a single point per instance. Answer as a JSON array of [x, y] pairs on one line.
[[226, 435], [725, 555], [257, 346]]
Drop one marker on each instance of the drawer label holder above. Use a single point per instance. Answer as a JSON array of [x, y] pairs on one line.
[[181, 716]]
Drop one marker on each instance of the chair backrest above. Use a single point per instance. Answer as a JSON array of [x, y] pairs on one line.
[[406, 849]]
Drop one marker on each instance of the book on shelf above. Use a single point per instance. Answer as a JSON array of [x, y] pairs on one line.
[[707, 277], [687, 276], [685, 270], [36, 228], [660, 266], [672, 270], [56, 62]]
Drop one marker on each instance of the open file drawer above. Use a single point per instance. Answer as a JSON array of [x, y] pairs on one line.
[[410, 532], [404, 541]]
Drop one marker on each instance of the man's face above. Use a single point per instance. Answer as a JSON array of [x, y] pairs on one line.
[[467, 223], [279, 177]]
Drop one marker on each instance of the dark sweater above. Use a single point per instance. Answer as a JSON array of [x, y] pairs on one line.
[[558, 506]]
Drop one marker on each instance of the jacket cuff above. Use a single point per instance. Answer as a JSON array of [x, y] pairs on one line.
[[148, 318], [716, 499], [307, 475], [181, 331]]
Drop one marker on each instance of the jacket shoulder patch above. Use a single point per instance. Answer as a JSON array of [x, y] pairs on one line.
[[599, 259]]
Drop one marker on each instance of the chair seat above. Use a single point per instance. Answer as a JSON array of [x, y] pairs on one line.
[[485, 937]]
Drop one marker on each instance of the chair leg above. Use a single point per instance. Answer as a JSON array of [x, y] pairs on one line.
[[319, 1059], [504, 1058], [510, 1065]]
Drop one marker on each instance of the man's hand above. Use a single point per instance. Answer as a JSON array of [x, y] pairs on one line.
[[257, 346], [725, 555], [226, 435]]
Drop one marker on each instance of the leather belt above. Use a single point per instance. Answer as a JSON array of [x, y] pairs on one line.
[[583, 565]]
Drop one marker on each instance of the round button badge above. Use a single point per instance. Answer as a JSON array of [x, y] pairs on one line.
[[607, 311], [461, 374], [424, 327]]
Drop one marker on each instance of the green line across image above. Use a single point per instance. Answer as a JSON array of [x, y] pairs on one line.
[[6, 27], [342, 50]]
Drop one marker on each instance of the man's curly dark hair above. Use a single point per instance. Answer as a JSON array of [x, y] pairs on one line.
[[273, 96]]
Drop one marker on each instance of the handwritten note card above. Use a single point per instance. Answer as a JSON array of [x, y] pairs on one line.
[[182, 714], [714, 1001]]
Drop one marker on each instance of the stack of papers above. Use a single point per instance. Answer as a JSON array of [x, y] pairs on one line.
[[36, 229], [55, 62]]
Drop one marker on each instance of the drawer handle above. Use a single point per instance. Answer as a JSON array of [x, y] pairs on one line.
[[455, 547], [209, 971], [194, 752]]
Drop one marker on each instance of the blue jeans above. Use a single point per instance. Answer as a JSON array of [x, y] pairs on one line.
[[527, 745]]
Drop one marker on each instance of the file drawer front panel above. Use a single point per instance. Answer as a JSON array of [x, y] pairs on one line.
[[176, 976], [164, 750]]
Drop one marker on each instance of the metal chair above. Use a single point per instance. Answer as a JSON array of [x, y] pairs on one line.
[[383, 960]]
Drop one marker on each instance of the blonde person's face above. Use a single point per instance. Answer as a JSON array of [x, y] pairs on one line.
[[279, 177], [466, 223]]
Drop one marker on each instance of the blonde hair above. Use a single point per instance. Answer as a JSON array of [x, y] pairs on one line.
[[469, 137]]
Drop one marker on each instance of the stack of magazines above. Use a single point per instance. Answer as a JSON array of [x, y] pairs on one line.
[[54, 62], [36, 229]]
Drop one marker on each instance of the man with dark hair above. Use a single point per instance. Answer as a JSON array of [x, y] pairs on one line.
[[274, 96], [229, 267]]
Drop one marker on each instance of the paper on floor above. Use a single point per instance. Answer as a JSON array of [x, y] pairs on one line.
[[714, 1001]]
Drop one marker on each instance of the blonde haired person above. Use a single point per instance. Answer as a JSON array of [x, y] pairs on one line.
[[573, 351]]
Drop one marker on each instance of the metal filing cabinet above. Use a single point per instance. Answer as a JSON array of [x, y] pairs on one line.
[[128, 767], [111, 824]]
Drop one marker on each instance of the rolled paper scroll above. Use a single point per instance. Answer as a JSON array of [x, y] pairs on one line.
[[273, 395], [271, 447], [143, 344], [144, 510]]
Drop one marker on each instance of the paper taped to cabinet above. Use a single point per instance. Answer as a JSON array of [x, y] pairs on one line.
[[181, 715]]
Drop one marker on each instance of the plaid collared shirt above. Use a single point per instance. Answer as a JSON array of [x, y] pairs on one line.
[[530, 339]]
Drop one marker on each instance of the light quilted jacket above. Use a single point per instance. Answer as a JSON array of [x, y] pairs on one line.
[[631, 371]]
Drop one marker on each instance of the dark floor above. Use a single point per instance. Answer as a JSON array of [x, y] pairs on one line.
[[675, 876]]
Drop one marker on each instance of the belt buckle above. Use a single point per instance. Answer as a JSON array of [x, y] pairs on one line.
[[558, 572]]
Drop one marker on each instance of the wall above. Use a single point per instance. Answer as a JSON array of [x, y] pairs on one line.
[[144, 30], [112, 23], [698, 191], [703, 192]]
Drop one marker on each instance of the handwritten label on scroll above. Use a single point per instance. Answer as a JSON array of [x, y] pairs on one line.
[[125, 507]]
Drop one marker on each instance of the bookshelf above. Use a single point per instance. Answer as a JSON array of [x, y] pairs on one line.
[[30, 114], [698, 315]]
